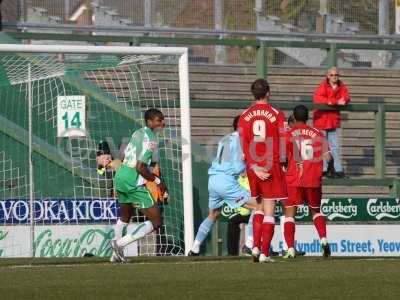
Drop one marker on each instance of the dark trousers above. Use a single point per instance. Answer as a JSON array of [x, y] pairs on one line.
[[234, 233], [1, 20]]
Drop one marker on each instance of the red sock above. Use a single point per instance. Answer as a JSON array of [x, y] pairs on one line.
[[268, 227], [320, 225], [289, 230], [257, 228]]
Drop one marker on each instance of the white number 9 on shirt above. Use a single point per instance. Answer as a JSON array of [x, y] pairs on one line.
[[259, 130]]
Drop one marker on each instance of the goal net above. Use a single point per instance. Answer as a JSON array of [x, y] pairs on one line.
[[64, 107]]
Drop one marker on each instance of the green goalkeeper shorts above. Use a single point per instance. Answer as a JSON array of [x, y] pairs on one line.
[[128, 192]]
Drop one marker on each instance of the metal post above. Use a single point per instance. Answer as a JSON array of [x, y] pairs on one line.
[[31, 195], [147, 13], [323, 7], [258, 11], [219, 25], [186, 151], [383, 29], [383, 17], [262, 61], [21, 16], [323, 11], [380, 138], [395, 188], [66, 9], [332, 55]]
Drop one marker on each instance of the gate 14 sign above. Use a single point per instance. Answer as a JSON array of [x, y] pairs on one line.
[[71, 116]]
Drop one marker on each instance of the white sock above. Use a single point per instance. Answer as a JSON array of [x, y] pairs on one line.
[[249, 232], [119, 229], [196, 246], [324, 241], [140, 231], [249, 242], [282, 223]]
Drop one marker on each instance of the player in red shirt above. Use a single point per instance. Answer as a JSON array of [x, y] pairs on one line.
[[305, 148], [261, 128]]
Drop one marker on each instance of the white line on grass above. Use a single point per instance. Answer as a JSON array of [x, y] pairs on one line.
[[127, 264], [309, 260]]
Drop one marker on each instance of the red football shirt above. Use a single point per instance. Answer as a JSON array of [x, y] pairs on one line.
[[260, 129], [305, 145]]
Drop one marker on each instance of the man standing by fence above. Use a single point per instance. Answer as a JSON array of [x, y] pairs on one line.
[[331, 91]]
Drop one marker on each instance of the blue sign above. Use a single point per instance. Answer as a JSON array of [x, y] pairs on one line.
[[50, 211]]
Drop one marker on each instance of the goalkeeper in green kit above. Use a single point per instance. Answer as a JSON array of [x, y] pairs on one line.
[[130, 180]]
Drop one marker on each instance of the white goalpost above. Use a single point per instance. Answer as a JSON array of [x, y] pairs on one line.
[[49, 187]]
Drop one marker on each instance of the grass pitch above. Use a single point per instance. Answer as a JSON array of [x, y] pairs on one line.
[[200, 278]]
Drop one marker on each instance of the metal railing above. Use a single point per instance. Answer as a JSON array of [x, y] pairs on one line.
[[302, 20], [304, 16], [383, 53]]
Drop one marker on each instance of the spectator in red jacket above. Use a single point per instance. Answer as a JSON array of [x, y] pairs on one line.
[[331, 91]]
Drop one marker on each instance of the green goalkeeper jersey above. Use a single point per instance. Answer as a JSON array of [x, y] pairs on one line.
[[141, 147]]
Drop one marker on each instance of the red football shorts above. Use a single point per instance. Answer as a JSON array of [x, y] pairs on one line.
[[300, 195], [274, 188]]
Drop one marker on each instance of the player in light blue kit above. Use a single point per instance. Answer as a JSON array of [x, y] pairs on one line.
[[223, 185]]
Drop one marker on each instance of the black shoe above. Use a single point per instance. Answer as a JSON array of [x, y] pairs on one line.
[[300, 253], [191, 253], [246, 250], [325, 174], [339, 175], [331, 175], [326, 250], [273, 253]]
